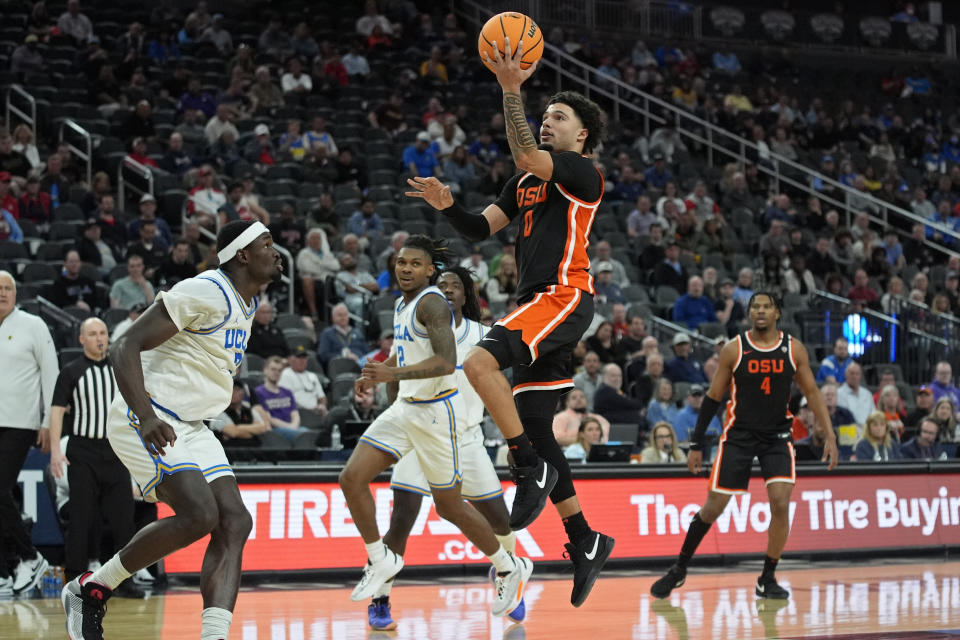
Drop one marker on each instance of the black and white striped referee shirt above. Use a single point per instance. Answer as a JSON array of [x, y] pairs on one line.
[[87, 388]]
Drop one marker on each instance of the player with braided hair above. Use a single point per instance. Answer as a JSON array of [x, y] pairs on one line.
[[425, 417], [481, 487]]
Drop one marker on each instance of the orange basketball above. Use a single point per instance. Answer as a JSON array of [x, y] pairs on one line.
[[517, 27]]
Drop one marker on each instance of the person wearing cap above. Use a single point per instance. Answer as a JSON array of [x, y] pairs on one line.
[[25, 58], [138, 153], [34, 205], [607, 290], [121, 327], [683, 368], [658, 175], [686, 419], [204, 199], [420, 159], [263, 94], [382, 352], [670, 272], [96, 250], [694, 308], [75, 24], [260, 151], [148, 214], [217, 35]]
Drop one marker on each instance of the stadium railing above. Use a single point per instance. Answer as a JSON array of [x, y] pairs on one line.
[[27, 113], [71, 132]]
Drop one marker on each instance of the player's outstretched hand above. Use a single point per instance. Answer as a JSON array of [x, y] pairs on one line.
[[510, 74], [377, 372], [157, 434], [695, 462], [830, 454], [435, 193]]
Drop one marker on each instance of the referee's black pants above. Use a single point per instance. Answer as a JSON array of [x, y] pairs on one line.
[[99, 488], [14, 446]]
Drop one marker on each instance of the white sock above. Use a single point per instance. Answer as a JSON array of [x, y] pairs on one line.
[[216, 624], [384, 590], [111, 574], [509, 542], [376, 551], [503, 561]]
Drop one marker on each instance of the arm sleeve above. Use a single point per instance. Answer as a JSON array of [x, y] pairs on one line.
[[197, 303], [46, 355], [577, 175]]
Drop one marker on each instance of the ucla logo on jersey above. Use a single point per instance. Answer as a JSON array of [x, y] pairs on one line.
[[402, 332], [236, 339]]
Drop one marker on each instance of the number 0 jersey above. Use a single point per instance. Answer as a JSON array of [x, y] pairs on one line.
[[760, 389], [411, 344], [190, 376]]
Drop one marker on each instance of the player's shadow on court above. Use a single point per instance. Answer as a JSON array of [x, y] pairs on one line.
[[676, 617], [767, 611]]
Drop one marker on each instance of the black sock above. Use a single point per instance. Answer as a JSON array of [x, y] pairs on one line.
[[698, 528], [577, 528], [769, 566], [381, 600], [522, 451]]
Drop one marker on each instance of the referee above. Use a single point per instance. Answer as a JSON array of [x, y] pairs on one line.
[[99, 484]]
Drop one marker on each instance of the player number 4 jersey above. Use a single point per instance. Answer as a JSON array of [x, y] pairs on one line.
[[760, 389]]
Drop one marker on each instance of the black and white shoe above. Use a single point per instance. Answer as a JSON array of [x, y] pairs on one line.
[[588, 559], [768, 588], [85, 604], [534, 485], [673, 579]]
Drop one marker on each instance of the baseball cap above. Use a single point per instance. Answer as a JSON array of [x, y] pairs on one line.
[[681, 338], [31, 38], [826, 158], [604, 266], [696, 390], [924, 389], [725, 281], [300, 351], [261, 130], [423, 136], [89, 222], [657, 156], [147, 198]]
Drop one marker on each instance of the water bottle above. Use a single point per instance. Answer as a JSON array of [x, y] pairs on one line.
[[48, 585], [335, 437], [54, 196]]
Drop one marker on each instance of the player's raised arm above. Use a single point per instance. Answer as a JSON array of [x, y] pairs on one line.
[[808, 385], [523, 144], [711, 404], [150, 330]]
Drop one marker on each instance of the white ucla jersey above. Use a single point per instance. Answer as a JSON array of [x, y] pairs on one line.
[[468, 334], [190, 376], [411, 344]]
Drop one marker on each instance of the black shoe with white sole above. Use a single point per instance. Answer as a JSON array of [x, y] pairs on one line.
[[673, 579], [534, 485], [768, 588], [588, 559]]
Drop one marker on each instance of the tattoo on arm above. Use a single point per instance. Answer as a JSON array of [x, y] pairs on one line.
[[519, 135], [434, 313]]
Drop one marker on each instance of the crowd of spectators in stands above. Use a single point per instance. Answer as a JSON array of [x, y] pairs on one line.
[[683, 245]]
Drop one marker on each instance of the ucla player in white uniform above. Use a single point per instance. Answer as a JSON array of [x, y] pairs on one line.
[[421, 382], [480, 486], [192, 339]]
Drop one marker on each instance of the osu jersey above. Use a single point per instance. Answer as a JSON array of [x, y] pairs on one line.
[[555, 220], [760, 388]]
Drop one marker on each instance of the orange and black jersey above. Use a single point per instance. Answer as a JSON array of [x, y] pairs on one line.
[[760, 389], [555, 221]]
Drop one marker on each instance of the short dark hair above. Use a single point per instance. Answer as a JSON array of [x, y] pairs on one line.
[[589, 113], [774, 299]]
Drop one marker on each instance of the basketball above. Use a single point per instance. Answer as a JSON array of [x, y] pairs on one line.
[[517, 27]]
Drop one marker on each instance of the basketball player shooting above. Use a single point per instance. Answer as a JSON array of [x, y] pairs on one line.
[[758, 368], [196, 335], [420, 377], [555, 197]]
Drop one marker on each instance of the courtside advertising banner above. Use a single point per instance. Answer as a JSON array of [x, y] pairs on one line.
[[308, 525]]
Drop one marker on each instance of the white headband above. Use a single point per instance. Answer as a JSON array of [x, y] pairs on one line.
[[251, 233]]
